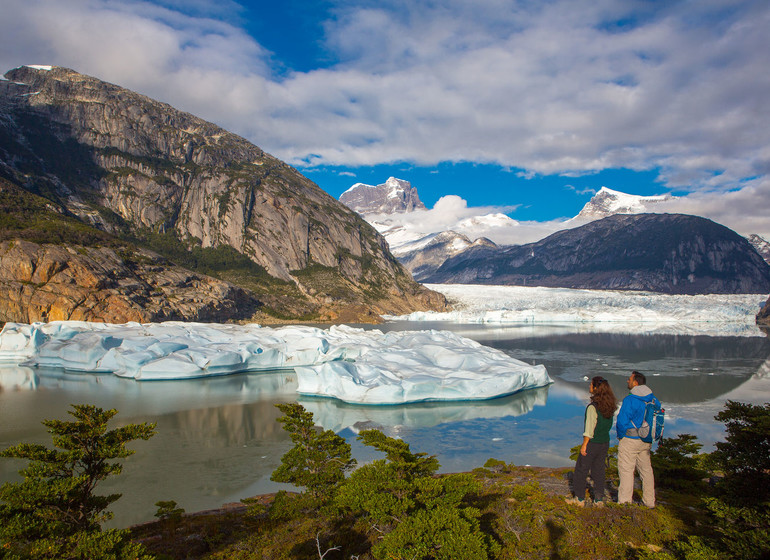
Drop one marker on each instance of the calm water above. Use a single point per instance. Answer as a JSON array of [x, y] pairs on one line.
[[218, 439]]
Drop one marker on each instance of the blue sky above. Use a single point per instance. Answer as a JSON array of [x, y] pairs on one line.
[[525, 107]]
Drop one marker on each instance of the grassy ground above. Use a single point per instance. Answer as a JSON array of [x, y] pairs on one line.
[[523, 509]]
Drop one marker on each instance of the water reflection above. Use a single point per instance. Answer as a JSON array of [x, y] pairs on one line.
[[682, 368], [338, 416]]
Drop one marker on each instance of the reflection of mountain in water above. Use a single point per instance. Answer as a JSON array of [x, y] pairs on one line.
[[337, 416], [680, 368], [159, 397], [208, 456]]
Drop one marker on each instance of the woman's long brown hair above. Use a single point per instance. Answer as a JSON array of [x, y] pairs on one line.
[[603, 397]]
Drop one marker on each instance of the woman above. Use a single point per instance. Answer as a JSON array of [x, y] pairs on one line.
[[596, 442]]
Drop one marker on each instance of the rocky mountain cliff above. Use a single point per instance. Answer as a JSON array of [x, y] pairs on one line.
[[54, 267], [394, 196], [54, 282], [668, 253], [138, 168]]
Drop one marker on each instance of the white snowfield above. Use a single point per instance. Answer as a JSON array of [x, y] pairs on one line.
[[350, 364], [598, 310]]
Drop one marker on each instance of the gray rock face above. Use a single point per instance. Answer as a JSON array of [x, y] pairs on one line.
[[761, 245], [763, 317], [95, 146], [668, 253], [394, 196]]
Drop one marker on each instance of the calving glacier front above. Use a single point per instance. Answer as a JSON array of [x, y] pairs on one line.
[[350, 364]]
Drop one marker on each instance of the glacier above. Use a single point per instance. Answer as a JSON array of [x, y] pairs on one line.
[[583, 310], [350, 364]]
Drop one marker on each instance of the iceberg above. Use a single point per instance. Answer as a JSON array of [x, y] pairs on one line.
[[421, 366], [350, 364]]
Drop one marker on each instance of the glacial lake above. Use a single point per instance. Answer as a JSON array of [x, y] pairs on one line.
[[218, 440]]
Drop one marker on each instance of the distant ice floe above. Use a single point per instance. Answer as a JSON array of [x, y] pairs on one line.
[[599, 310], [350, 364]]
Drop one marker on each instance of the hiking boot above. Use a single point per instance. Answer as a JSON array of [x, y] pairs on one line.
[[576, 502], [599, 503]]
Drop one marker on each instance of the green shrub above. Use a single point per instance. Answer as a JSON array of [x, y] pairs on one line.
[[744, 456], [416, 514]]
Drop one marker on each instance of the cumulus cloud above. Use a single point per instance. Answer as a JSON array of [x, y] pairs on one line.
[[445, 214], [560, 87], [452, 212]]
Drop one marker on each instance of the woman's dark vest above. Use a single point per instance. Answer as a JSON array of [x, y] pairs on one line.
[[603, 426]]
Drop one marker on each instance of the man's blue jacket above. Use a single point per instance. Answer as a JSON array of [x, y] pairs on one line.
[[632, 409]]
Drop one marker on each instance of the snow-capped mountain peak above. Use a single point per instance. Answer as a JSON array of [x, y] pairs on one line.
[[607, 202]]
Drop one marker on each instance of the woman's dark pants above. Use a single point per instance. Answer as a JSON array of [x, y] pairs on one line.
[[594, 463]]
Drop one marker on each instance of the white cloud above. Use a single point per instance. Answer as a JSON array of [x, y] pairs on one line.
[[452, 212], [743, 210], [567, 86]]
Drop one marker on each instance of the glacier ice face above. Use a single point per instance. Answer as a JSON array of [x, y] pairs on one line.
[[353, 365], [598, 310]]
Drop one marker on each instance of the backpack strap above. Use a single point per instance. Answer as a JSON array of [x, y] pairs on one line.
[[636, 428]]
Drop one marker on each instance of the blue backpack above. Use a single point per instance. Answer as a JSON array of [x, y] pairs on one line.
[[651, 429]]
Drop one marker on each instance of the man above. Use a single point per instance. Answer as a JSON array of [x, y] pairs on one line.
[[633, 453]]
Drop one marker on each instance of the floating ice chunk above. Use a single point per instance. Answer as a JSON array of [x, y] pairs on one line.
[[421, 366], [81, 352], [353, 365]]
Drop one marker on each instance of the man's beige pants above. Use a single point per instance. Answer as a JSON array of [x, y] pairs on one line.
[[635, 454]]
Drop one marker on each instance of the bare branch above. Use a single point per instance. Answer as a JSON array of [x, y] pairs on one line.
[[318, 546]]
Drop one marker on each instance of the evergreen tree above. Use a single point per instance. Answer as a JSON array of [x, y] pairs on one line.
[[744, 456], [741, 507], [53, 512], [677, 465], [317, 462]]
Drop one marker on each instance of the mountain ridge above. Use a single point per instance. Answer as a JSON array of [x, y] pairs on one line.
[[408, 243], [680, 254], [137, 167]]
